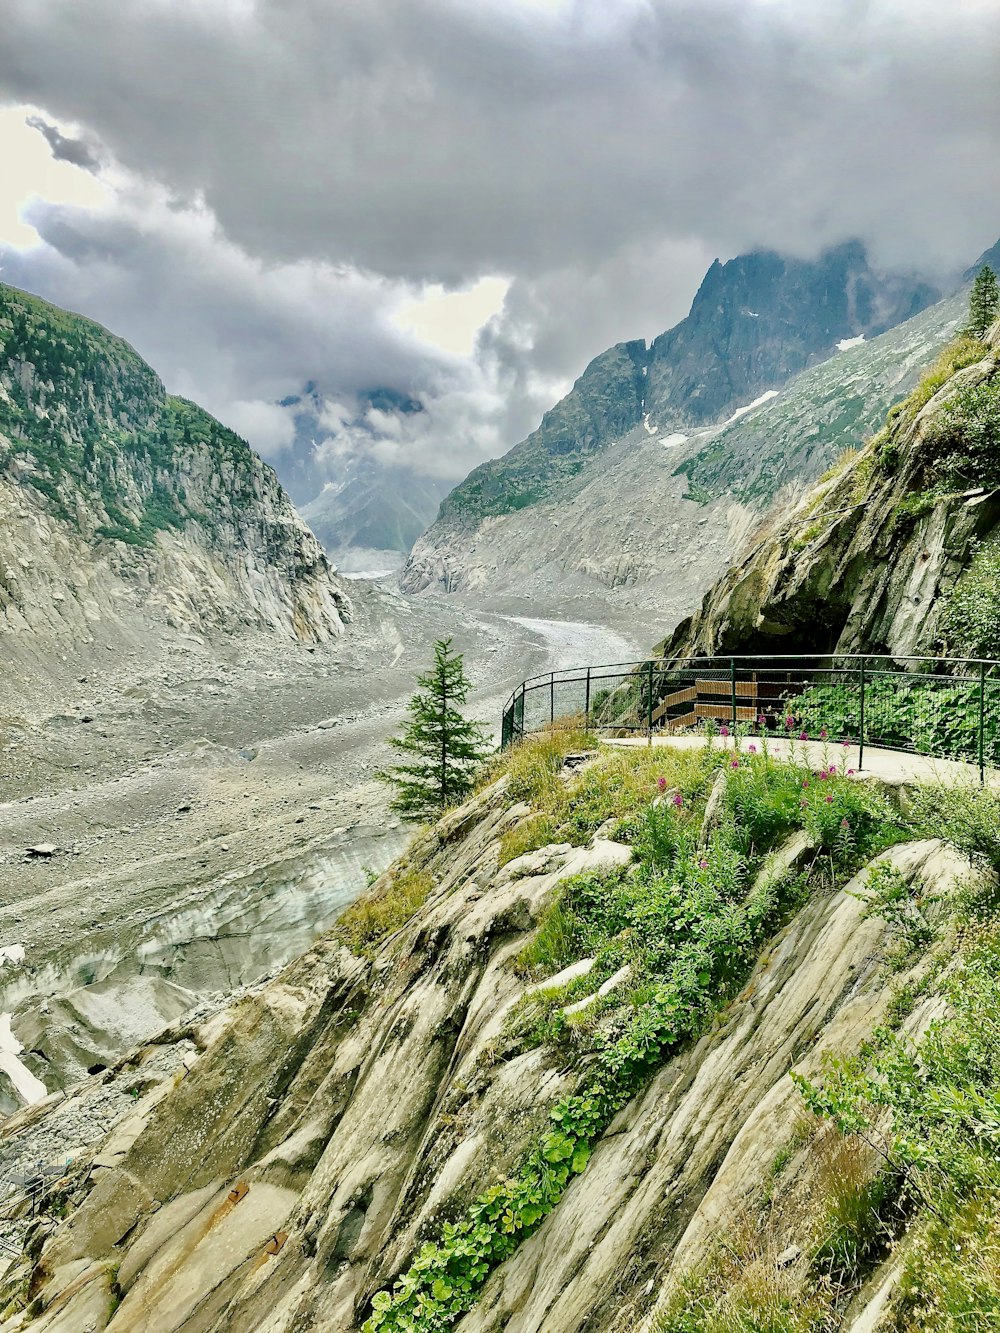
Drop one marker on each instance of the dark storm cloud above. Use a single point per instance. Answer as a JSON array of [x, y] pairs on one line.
[[65, 149], [598, 155], [432, 138]]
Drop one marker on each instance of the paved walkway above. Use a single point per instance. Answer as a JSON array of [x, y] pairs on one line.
[[887, 765]]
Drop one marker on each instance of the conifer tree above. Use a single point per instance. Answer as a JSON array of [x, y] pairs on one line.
[[983, 302], [441, 748]]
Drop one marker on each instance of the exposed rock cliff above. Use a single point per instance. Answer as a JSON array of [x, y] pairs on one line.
[[365, 1097], [883, 555], [122, 507]]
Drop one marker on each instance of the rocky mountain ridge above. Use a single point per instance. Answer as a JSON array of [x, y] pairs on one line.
[[758, 325], [123, 508], [647, 524]]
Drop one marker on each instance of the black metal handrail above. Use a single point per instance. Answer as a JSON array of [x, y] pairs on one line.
[[947, 708]]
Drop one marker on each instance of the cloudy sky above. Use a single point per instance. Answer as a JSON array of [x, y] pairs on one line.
[[465, 200]]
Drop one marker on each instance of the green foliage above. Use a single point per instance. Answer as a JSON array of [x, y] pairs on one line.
[[889, 895], [963, 446], [963, 351], [929, 715], [444, 749], [984, 300], [963, 813], [970, 619]]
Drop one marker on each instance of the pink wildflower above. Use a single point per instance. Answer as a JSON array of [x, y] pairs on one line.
[[723, 731], [823, 734], [752, 749], [846, 744], [803, 736], [678, 800], [829, 800], [789, 723], [661, 784], [762, 721], [850, 772], [735, 764], [702, 864], [844, 824], [805, 782]]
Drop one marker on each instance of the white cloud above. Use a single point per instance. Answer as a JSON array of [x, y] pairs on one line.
[[30, 173]]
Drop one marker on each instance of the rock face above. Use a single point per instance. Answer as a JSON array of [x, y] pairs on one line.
[[122, 507], [360, 1100], [867, 561], [648, 523], [757, 323], [762, 318]]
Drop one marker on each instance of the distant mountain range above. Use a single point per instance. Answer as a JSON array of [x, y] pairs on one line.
[[638, 486]]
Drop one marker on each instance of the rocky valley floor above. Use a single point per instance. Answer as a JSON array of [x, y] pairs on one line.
[[211, 806]]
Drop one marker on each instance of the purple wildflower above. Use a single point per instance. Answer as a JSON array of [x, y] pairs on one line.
[[661, 784], [723, 731], [829, 800], [735, 764], [803, 736], [823, 734], [702, 864], [678, 800], [752, 749]]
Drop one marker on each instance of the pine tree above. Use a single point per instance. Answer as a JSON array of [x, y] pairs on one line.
[[441, 746], [983, 302]]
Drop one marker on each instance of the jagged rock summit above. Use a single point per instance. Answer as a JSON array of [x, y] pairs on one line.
[[123, 507]]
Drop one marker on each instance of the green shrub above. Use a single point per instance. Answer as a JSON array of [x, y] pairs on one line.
[[970, 619], [942, 1100], [963, 446]]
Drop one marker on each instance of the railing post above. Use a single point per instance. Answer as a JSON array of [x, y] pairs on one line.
[[861, 731], [586, 703], [732, 676], [649, 706], [552, 698], [982, 723]]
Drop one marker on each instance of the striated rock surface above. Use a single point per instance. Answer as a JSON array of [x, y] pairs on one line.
[[123, 508], [315, 1132]]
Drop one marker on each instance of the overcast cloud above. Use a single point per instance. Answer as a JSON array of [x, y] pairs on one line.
[[284, 174]]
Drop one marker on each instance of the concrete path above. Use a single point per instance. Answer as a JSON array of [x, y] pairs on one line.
[[888, 765]]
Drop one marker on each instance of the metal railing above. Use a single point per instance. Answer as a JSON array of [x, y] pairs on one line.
[[945, 708]]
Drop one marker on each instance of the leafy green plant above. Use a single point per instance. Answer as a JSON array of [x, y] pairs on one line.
[[887, 894], [941, 1097]]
